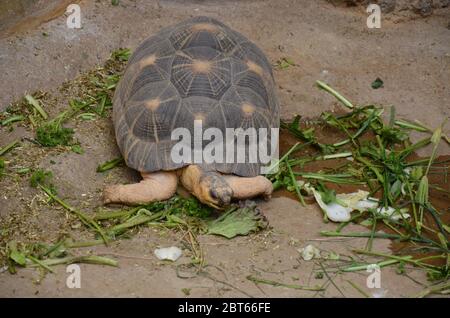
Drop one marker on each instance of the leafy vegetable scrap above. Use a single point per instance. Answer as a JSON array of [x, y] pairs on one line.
[[238, 221]]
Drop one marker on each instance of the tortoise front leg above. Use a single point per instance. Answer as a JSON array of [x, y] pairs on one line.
[[155, 186], [249, 187]]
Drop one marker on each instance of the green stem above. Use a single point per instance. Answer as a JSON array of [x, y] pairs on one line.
[[295, 184], [407, 259], [8, 147], [12, 119], [116, 214], [108, 165], [358, 289], [338, 96], [86, 220], [257, 280], [84, 243], [434, 289], [90, 259], [40, 263], [380, 264], [284, 157], [141, 219], [33, 102], [380, 235]]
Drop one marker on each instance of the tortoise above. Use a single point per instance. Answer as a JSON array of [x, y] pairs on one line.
[[197, 70]]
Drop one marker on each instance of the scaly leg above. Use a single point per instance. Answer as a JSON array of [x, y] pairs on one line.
[[249, 187], [155, 186]]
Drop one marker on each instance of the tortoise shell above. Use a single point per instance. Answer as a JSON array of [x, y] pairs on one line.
[[199, 69]]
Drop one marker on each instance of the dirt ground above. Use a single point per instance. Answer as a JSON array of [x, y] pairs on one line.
[[326, 40]]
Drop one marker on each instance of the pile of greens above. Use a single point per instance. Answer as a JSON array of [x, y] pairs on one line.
[[379, 156]]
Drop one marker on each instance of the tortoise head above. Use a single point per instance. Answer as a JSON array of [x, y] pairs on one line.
[[214, 190]]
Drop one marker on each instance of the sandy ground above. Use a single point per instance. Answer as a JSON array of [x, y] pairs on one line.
[[327, 42]]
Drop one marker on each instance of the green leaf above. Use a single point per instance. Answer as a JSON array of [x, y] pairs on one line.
[[328, 195], [108, 165], [23, 170], [396, 189], [2, 166], [15, 255], [18, 257], [86, 116], [446, 228], [40, 177], [11, 120], [378, 83], [284, 63], [186, 291], [121, 55], [366, 222], [77, 149], [238, 222]]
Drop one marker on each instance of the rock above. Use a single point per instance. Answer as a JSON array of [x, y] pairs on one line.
[[441, 4], [387, 6], [169, 253], [309, 252], [423, 7]]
